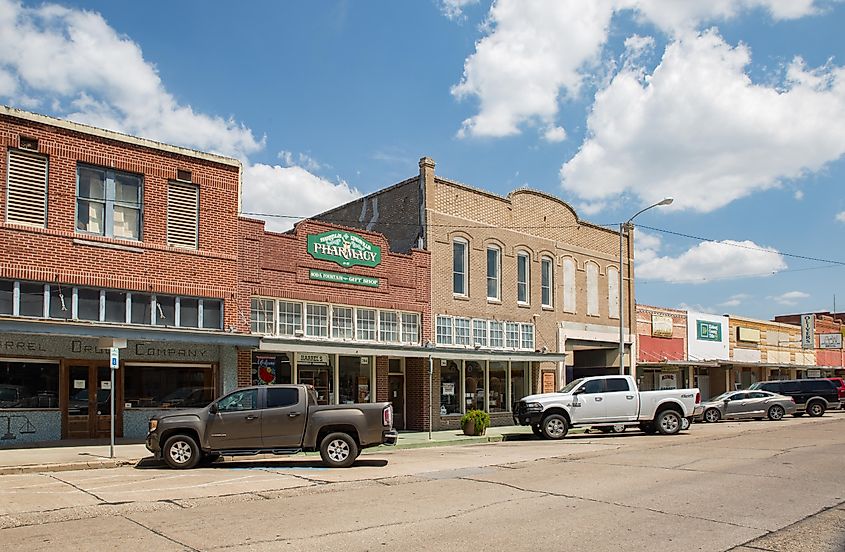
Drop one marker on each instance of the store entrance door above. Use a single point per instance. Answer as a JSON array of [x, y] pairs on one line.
[[396, 395], [86, 406]]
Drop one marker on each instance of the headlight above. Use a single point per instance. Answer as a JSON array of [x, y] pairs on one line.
[[153, 425], [534, 406]]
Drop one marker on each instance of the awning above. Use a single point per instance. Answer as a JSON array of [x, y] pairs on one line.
[[119, 331], [680, 363], [276, 345]]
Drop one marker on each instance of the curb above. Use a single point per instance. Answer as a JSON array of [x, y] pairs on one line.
[[66, 466]]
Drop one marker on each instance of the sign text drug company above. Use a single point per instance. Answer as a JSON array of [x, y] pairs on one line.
[[344, 248]]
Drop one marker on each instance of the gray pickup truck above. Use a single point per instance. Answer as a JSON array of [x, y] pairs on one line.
[[277, 419]]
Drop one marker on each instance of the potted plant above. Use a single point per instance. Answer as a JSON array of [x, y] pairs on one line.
[[475, 422]]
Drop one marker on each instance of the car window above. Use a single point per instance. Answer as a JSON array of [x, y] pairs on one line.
[[278, 397], [594, 386], [617, 384], [239, 400], [818, 386], [837, 382], [738, 396], [790, 388], [759, 395]]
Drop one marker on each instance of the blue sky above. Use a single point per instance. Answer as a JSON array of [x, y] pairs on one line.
[[736, 108]]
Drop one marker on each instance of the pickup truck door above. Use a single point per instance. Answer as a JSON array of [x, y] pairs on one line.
[[237, 423], [283, 419], [590, 403], [622, 402]]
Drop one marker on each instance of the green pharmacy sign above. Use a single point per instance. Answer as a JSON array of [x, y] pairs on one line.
[[344, 248], [709, 331]]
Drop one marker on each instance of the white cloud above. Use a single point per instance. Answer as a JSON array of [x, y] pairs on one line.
[[708, 261], [454, 9], [790, 298], [301, 159], [555, 134], [700, 130], [87, 72], [735, 300], [290, 191], [799, 195], [840, 216], [535, 51]]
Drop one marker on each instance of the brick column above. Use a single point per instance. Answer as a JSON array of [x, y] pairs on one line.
[[416, 394], [381, 379], [244, 367]]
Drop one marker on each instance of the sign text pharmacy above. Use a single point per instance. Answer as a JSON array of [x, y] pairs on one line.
[[344, 248]]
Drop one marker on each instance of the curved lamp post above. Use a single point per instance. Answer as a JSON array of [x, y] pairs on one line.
[[622, 227]]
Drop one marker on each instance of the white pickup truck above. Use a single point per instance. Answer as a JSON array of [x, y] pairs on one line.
[[605, 402]]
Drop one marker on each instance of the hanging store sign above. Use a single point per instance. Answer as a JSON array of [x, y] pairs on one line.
[[808, 326], [661, 325], [830, 341], [708, 331], [344, 248], [326, 276]]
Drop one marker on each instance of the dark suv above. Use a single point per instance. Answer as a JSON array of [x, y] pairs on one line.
[[812, 396]]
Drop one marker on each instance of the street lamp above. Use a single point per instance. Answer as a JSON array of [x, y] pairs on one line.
[[622, 227]]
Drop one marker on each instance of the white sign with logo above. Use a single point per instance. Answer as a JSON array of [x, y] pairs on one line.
[[808, 323], [830, 341], [707, 336]]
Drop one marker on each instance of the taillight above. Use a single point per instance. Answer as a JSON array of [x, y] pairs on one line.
[[387, 416], [698, 398]]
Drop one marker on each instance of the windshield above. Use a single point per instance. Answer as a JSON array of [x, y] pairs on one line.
[[572, 385], [722, 397]]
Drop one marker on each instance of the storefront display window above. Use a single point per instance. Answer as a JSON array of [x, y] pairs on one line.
[[168, 386], [29, 384], [450, 389], [270, 368], [321, 376], [354, 379], [498, 386], [519, 380], [475, 389]]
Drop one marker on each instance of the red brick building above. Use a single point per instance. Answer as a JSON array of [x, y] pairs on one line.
[[111, 240], [828, 337], [337, 310]]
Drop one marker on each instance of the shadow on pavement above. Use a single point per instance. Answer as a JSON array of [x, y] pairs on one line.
[[151, 463]]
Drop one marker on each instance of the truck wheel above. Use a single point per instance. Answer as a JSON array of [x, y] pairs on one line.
[[668, 422], [815, 409], [338, 450], [618, 428], [181, 452], [535, 429], [554, 426], [648, 428]]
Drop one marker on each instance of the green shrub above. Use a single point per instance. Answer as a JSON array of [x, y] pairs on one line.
[[479, 418]]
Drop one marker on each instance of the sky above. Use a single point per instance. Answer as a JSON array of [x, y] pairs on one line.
[[734, 108]]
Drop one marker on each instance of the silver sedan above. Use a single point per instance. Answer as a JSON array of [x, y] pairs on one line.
[[747, 404]]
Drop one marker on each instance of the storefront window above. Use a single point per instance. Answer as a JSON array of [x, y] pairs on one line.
[[321, 376], [7, 296], [290, 317], [270, 369], [141, 308], [499, 386], [342, 323], [116, 306], [189, 312], [316, 320], [168, 386], [354, 379], [366, 319], [27, 384], [450, 389], [519, 380], [475, 389], [60, 302], [212, 314], [165, 310], [32, 299]]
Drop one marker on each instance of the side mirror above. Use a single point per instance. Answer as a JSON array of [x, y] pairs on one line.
[[579, 391], [213, 408], [726, 401]]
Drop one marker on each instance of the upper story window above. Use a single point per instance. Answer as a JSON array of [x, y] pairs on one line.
[[613, 292], [444, 330], [26, 188], [290, 318], [592, 289], [479, 332], [494, 271], [547, 282], [388, 326], [316, 320], [462, 331], [523, 275], [108, 203], [342, 326], [366, 324], [459, 267], [569, 285], [183, 215]]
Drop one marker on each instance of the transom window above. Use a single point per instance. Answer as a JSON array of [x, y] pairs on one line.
[[108, 203], [261, 316], [342, 327], [366, 319], [290, 318], [388, 326], [462, 333], [316, 320], [493, 334]]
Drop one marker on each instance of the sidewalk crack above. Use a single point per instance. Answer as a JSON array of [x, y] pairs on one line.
[[160, 534]]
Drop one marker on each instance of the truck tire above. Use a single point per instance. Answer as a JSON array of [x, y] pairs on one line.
[[816, 409], [668, 422], [338, 450], [554, 426], [181, 452]]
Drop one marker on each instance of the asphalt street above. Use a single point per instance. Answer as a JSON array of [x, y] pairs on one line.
[[775, 486]]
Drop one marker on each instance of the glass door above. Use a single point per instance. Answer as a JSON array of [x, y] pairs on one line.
[[78, 403], [88, 401]]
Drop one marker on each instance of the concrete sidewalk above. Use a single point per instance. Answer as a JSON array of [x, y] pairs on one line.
[[68, 456]]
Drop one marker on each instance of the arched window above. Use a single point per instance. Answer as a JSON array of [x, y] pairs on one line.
[[613, 292], [569, 303]]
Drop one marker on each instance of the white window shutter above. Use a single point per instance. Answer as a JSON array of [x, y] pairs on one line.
[[26, 193], [183, 215]]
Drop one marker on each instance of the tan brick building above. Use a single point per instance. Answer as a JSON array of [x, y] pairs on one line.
[[524, 293]]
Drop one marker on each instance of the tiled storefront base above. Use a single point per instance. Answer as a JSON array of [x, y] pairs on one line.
[[497, 419], [29, 426]]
